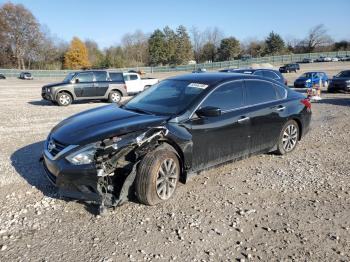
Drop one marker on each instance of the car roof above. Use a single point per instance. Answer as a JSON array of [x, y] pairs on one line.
[[216, 78]]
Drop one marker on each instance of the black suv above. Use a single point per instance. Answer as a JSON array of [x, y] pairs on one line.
[[264, 72], [289, 68], [85, 85]]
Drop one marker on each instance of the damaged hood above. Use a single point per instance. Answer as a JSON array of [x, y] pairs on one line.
[[100, 123]]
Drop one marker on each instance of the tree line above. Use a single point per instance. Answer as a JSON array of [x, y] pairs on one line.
[[24, 43]]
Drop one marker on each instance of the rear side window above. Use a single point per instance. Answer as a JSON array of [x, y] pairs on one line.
[[85, 77], [133, 77], [100, 76], [226, 97], [270, 74], [258, 73], [281, 92], [117, 77], [259, 92]]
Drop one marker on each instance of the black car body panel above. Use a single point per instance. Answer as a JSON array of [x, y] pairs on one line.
[[124, 136], [2, 76], [289, 68]]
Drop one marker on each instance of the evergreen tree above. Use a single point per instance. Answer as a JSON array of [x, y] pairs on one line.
[[77, 56], [170, 45], [157, 48], [184, 51], [274, 44], [229, 49]]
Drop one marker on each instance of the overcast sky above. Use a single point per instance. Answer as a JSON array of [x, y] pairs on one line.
[[106, 21]]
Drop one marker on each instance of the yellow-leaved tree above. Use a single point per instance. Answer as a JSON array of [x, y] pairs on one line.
[[77, 56]]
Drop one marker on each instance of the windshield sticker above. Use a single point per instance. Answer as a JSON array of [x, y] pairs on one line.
[[198, 85]]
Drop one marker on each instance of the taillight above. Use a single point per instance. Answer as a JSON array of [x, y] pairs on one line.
[[306, 102], [126, 88], [285, 82]]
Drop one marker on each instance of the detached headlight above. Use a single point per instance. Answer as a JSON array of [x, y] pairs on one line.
[[83, 156]]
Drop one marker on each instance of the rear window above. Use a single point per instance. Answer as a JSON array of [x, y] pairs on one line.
[[259, 92], [117, 77]]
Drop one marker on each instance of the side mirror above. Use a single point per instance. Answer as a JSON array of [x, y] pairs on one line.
[[209, 111], [77, 80]]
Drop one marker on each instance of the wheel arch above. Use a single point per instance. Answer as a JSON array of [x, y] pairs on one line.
[[166, 143], [300, 126], [65, 91]]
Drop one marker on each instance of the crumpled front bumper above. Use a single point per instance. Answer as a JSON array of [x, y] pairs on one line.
[[78, 182]]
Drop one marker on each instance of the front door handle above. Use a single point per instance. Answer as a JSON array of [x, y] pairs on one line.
[[243, 119]]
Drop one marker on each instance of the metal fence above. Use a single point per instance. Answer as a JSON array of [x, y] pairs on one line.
[[274, 60]]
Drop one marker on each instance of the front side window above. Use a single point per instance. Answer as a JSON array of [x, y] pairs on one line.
[[226, 97], [85, 77], [259, 92]]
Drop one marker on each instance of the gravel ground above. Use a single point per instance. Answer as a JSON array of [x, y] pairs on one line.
[[267, 207]]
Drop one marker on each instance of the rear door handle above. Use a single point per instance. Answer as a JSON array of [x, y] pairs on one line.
[[280, 108], [243, 119]]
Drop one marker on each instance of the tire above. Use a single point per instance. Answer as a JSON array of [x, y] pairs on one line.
[[288, 138], [64, 99], [115, 97], [152, 185]]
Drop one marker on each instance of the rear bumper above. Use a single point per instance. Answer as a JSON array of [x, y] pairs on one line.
[[299, 85]]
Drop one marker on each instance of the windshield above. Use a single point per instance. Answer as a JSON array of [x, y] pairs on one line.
[[68, 77], [169, 97], [343, 74]]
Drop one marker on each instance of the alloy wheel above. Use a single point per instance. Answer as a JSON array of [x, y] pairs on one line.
[[167, 179], [115, 97], [64, 99], [290, 137]]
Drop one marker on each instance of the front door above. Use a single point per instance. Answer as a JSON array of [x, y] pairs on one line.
[[221, 138], [85, 85]]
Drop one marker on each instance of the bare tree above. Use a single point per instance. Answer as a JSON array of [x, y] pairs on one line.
[[197, 42], [317, 37], [135, 47], [213, 36], [21, 30]]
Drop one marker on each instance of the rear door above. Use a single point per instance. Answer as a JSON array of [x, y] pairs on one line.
[[101, 83], [84, 85], [221, 138], [266, 112]]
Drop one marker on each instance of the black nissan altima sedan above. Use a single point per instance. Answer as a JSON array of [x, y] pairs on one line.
[[170, 131]]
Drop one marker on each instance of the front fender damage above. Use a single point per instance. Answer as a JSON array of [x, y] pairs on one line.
[[116, 161]]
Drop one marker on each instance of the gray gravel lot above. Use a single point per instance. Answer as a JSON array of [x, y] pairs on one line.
[[286, 208]]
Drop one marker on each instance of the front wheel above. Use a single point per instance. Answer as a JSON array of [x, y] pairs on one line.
[[288, 138], [64, 99], [157, 177]]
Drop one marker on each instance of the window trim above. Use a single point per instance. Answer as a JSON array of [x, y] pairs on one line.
[[244, 96], [93, 77]]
